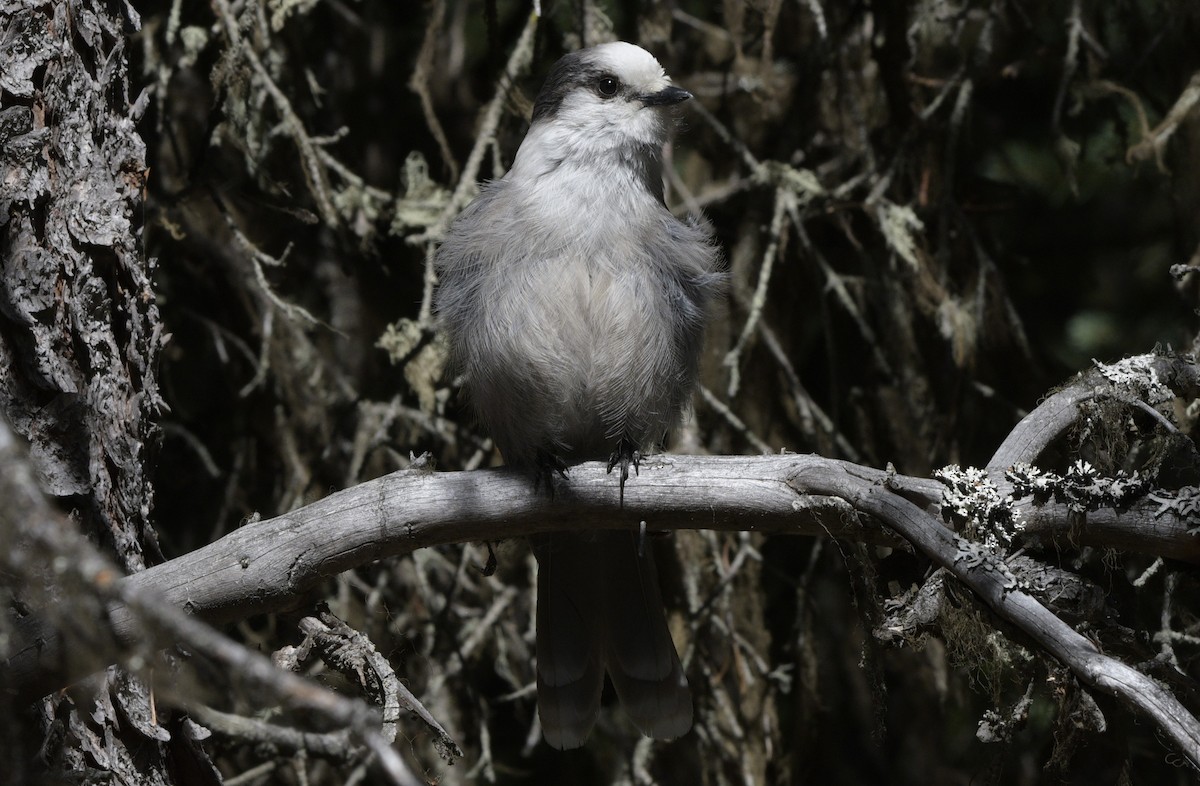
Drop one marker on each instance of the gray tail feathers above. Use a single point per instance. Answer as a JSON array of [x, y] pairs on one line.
[[599, 608]]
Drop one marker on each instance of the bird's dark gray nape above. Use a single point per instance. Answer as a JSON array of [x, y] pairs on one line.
[[569, 72]]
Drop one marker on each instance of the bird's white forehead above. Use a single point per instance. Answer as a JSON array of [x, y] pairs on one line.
[[628, 61]]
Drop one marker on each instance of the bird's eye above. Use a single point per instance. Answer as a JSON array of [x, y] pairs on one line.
[[608, 86]]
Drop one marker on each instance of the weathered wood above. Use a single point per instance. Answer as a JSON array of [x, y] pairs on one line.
[[79, 329], [270, 565]]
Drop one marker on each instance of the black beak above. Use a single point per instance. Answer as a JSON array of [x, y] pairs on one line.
[[666, 97]]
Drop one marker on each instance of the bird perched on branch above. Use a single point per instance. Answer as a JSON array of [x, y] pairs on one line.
[[574, 304]]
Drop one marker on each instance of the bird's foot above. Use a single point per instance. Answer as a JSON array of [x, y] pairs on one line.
[[625, 454], [548, 465]]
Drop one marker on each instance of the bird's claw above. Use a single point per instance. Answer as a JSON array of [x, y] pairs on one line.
[[548, 465], [623, 456]]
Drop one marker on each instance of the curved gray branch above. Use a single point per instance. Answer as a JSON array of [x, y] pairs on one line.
[[1134, 378], [270, 565]]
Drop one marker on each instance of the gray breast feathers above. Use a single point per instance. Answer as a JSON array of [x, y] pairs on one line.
[[569, 342]]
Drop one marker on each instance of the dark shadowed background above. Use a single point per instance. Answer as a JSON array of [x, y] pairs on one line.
[[933, 213]]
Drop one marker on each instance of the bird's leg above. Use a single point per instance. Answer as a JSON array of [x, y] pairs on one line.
[[548, 465], [625, 454]]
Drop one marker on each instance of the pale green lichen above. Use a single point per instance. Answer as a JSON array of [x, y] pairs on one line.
[[424, 200], [898, 223], [423, 365], [971, 498], [1137, 372], [1082, 487], [801, 182]]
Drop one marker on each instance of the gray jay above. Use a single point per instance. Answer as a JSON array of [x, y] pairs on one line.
[[574, 304]]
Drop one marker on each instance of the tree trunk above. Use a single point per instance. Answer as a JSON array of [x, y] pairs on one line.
[[79, 329]]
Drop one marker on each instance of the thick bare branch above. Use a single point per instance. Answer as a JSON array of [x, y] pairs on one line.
[[271, 565]]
